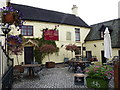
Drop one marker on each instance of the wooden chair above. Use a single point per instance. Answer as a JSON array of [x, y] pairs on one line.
[[36, 70]]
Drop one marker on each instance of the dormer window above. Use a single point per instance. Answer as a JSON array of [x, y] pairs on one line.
[[101, 34], [102, 30]]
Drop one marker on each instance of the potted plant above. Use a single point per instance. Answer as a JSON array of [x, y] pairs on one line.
[[48, 49], [72, 48], [98, 76], [11, 16]]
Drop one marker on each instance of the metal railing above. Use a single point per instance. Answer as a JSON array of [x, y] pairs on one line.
[[6, 69]]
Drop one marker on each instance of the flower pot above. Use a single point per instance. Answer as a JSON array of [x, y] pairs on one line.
[[12, 42], [50, 64], [96, 83], [8, 18], [19, 68]]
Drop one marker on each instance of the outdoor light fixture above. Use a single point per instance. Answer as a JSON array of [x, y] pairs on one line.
[[95, 45], [5, 29], [62, 45]]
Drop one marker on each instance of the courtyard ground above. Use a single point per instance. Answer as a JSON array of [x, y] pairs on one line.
[[58, 77]]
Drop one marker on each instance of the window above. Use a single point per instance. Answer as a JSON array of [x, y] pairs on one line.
[[78, 52], [102, 30], [84, 48], [68, 36], [77, 34], [88, 54], [27, 30], [119, 53], [102, 34], [0, 43]]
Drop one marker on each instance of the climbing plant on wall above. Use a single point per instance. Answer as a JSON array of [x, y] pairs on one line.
[[39, 56]]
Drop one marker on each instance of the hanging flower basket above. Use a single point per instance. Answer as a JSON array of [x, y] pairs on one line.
[[8, 18], [12, 42], [11, 16]]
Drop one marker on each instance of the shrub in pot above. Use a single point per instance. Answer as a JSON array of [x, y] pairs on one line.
[[48, 49], [72, 48]]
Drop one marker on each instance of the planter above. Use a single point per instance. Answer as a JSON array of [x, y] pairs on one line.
[[12, 42], [8, 18], [19, 68], [50, 64], [96, 83]]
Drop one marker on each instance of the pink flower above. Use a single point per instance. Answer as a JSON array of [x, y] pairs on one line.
[[71, 47], [97, 66]]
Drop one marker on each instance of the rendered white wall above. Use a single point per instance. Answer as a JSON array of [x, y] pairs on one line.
[[38, 26], [96, 51]]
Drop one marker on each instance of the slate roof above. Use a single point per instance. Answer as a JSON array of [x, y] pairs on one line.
[[113, 25], [38, 14]]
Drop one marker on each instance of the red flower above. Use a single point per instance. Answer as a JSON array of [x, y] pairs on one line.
[[46, 48], [72, 47]]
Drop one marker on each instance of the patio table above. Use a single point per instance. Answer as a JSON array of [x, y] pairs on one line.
[[30, 68], [79, 63]]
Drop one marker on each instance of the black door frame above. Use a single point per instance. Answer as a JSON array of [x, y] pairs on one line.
[[119, 53], [28, 54], [104, 60]]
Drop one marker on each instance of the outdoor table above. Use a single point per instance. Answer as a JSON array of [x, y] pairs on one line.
[[79, 63], [30, 68]]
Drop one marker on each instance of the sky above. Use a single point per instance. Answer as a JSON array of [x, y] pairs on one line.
[[91, 11]]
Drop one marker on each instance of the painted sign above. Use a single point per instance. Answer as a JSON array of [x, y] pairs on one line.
[[51, 35]]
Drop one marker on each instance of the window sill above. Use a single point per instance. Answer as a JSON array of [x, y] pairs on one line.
[[77, 41]]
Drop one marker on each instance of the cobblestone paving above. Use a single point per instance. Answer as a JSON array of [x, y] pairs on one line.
[[50, 78]]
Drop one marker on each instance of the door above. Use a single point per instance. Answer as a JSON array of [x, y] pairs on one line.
[[28, 55], [104, 60], [88, 54], [119, 53]]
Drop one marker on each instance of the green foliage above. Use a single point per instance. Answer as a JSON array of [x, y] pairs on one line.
[[37, 54]]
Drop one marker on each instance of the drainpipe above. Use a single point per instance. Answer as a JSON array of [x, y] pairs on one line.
[[82, 49]]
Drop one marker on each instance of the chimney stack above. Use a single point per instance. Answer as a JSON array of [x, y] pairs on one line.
[[75, 10], [8, 3]]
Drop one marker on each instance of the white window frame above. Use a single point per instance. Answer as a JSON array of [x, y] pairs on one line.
[[77, 34]]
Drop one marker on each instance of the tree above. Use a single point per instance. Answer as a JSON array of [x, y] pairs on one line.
[[48, 49], [72, 48]]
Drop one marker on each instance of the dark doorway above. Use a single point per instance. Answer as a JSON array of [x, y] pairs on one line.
[[119, 53], [28, 55], [104, 60]]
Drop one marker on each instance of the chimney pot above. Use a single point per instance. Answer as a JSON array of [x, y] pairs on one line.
[[75, 10]]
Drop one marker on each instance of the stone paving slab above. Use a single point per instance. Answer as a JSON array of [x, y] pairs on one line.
[[58, 77]]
